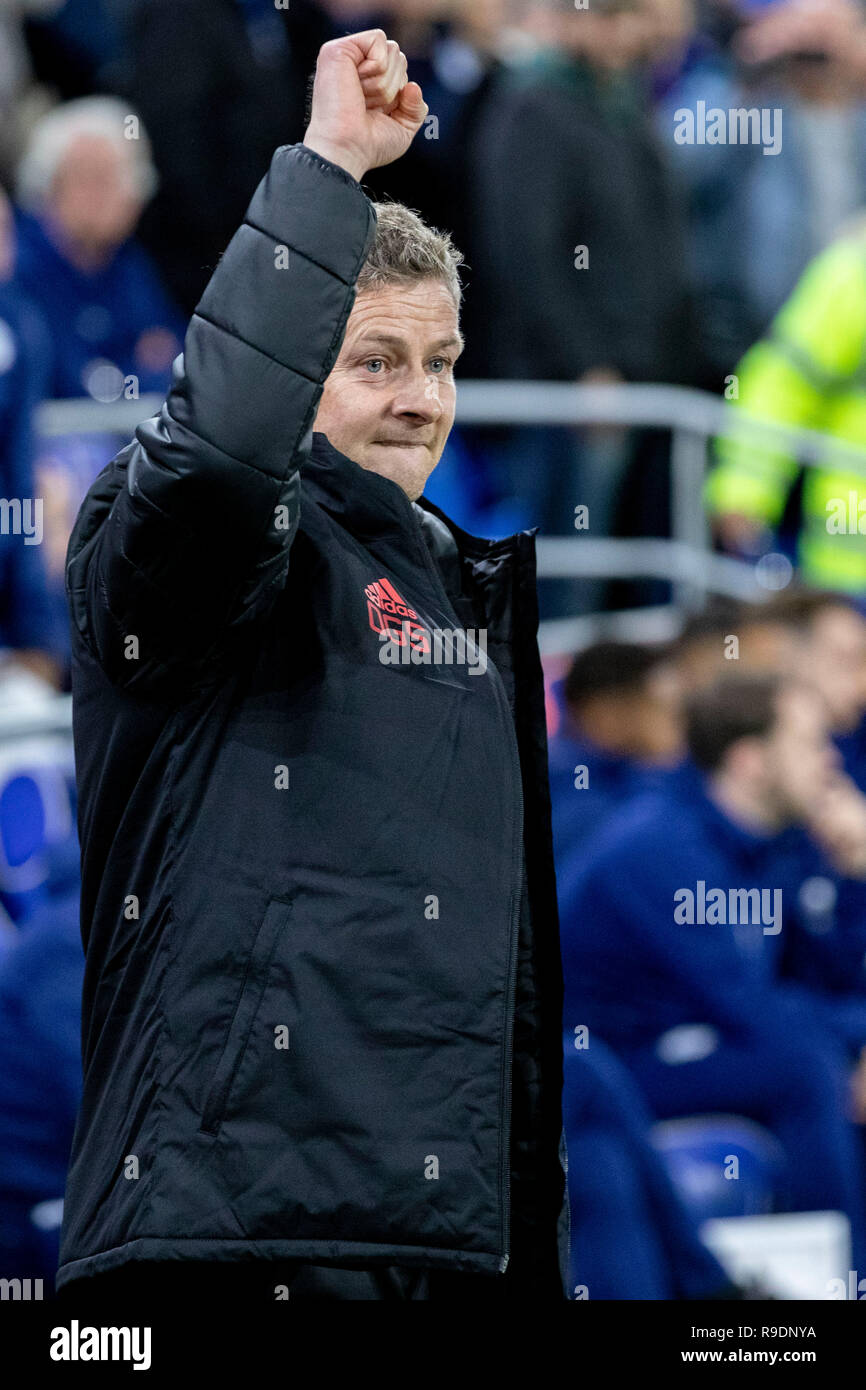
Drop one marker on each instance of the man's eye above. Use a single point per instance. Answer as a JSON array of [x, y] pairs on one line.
[[373, 364], [444, 364]]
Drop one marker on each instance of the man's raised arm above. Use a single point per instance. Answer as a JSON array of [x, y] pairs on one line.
[[185, 541]]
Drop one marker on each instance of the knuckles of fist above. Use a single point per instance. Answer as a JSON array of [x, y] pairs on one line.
[[383, 71], [380, 75]]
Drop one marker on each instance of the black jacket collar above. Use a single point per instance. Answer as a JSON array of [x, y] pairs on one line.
[[369, 504], [366, 503]]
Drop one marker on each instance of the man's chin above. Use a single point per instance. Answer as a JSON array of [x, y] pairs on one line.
[[409, 467]]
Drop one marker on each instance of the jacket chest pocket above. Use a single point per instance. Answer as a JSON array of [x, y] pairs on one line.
[[273, 924]]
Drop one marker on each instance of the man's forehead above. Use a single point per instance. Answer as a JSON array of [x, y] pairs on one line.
[[398, 314]]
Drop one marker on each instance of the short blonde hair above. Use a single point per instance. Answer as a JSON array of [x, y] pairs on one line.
[[405, 249]]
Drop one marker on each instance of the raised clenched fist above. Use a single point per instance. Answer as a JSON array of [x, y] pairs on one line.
[[364, 111]]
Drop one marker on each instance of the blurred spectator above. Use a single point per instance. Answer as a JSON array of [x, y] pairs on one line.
[[82, 183], [619, 732], [819, 637], [455, 50], [815, 635], [703, 68], [755, 635], [757, 220], [41, 973], [579, 249], [828, 648], [41, 978], [565, 159], [825, 941], [805, 56], [219, 85], [807, 372], [829, 645], [630, 1236], [667, 957], [28, 627], [16, 74], [72, 44]]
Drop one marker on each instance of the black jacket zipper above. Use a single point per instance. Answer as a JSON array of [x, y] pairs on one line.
[[516, 896]]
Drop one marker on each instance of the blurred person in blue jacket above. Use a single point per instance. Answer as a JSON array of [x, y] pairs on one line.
[[29, 628], [823, 634], [618, 735], [82, 184], [630, 1234], [830, 643], [672, 922], [73, 43], [41, 976], [817, 632], [826, 949]]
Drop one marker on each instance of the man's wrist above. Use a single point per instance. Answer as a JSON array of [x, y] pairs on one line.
[[344, 159]]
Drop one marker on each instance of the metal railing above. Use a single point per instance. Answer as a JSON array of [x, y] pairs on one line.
[[680, 409], [693, 419]]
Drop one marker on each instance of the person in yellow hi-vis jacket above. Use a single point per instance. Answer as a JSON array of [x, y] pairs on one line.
[[809, 370]]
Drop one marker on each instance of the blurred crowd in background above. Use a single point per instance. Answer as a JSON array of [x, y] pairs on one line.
[[599, 249], [600, 245]]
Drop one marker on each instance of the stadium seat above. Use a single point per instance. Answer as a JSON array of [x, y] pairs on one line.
[[721, 1165], [37, 813]]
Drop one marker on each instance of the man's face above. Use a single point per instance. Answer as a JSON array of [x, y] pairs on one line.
[[94, 197], [614, 39], [763, 646], [834, 656], [389, 400], [799, 758]]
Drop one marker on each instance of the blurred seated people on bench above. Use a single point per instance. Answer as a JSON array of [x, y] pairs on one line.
[[672, 922], [619, 732]]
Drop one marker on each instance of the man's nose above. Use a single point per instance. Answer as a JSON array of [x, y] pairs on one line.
[[418, 394]]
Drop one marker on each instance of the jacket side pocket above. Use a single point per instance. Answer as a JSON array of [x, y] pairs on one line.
[[249, 999]]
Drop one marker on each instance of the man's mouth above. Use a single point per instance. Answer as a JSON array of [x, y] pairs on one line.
[[402, 443]]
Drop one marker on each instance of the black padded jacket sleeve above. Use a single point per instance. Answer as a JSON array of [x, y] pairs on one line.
[[183, 542]]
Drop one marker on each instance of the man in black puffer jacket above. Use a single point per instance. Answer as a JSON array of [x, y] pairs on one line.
[[322, 1002]]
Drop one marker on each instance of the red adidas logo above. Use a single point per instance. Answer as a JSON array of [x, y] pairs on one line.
[[391, 614]]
